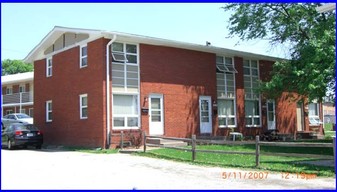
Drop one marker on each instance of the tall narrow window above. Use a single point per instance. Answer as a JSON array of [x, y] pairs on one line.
[[314, 114], [83, 56], [49, 67], [84, 106], [252, 96], [49, 111], [125, 85], [226, 91]]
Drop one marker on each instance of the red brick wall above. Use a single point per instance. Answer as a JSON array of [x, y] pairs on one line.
[[181, 76], [63, 88]]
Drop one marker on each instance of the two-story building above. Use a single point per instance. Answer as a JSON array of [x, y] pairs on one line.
[[17, 93], [91, 83]]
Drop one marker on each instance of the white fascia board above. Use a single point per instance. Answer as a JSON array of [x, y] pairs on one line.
[[190, 46], [17, 78]]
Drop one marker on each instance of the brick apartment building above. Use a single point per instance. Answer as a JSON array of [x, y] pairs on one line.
[[91, 83], [17, 94]]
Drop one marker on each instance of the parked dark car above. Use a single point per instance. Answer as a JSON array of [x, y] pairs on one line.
[[23, 135]]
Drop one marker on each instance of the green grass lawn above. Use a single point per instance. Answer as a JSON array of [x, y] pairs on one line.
[[270, 163], [94, 151]]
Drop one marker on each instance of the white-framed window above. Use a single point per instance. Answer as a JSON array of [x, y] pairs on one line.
[[83, 56], [252, 95], [9, 90], [125, 68], [125, 85], [49, 111], [23, 111], [314, 114], [9, 111], [31, 112], [49, 66], [125, 111], [22, 88], [226, 91], [84, 106]]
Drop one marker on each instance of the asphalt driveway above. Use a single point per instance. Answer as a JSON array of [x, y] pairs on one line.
[[50, 169]]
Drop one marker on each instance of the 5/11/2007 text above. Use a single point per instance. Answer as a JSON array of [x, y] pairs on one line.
[[245, 175]]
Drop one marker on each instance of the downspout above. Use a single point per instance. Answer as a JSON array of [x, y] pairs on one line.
[[108, 90]]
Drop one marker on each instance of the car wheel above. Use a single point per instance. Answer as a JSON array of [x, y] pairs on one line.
[[9, 145], [38, 147]]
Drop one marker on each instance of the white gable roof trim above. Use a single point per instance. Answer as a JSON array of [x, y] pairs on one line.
[[38, 52]]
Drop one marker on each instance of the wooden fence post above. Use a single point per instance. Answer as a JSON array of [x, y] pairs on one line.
[[193, 147], [144, 140], [122, 140], [334, 150], [257, 152]]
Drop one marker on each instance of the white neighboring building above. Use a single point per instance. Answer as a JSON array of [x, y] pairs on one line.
[[17, 94]]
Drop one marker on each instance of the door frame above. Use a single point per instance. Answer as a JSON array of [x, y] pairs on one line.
[[161, 97], [209, 98], [274, 112]]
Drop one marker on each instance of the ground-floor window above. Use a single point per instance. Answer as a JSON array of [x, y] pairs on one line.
[[49, 111], [252, 111], [31, 112], [125, 111], [314, 114], [226, 113]]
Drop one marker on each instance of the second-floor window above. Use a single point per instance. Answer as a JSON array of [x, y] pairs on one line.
[[49, 67], [9, 90], [22, 89], [83, 56]]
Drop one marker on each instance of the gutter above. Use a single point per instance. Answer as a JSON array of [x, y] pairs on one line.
[[113, 38]]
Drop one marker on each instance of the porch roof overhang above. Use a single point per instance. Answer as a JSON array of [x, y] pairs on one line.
[[17, 78], [38, 52]]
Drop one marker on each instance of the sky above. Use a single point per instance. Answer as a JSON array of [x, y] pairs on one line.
[[24, 25]]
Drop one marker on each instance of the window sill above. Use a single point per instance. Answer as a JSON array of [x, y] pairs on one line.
[[125, 128]]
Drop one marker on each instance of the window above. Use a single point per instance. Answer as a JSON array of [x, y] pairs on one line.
[[125, 69], [49, 111], [9, 111], [314, 114], [226, 91], [84, 106], [252, 96], [22, 89], [23, 111], [31, 112], [125, 111], [9, 90], [83, 56], [49, 67], [226, 113], [225, 64]]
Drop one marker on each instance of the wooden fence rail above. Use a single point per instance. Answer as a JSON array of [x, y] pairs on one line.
[[193, 142]]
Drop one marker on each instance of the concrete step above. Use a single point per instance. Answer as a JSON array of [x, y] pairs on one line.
[[166, 142]]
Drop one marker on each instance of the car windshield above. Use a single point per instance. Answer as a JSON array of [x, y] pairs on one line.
[[26, 127], [22, 116]]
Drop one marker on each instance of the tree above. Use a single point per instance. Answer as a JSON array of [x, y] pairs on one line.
[[311, 35], [15, 66]]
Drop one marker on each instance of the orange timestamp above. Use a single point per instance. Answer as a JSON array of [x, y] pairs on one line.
[[245, 175], [306, 176]]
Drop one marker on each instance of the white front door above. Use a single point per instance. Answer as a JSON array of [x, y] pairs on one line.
[[205, 114], [156, 116], [271, 115]]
